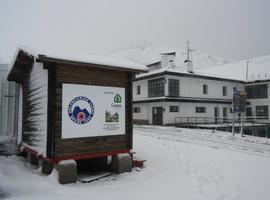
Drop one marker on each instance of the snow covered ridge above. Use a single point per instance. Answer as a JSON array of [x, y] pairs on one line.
[[250, 70], [253, 69], [81, 58], [151, 54]]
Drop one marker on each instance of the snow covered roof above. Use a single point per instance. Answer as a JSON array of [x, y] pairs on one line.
[[79, 58], [253, 69], [258, 70], [180, 71], [100, 60]]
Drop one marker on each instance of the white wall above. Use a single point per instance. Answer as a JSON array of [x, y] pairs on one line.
[[188, 110], [193, 87], [144, 89], [167, 60], [146, 111], [143, 114], [190, 87], [185, 110]]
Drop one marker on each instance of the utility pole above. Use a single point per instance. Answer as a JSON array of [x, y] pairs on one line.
[[247, 70], [234, 110], [188, 60], [242, 109], [233, 120], [242, 123]]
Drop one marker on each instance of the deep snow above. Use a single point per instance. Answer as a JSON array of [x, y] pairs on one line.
[[181, 164]]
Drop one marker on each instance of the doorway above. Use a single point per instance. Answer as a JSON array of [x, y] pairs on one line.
[[157, 116]]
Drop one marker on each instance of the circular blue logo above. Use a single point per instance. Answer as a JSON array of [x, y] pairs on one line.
[[81, 110]]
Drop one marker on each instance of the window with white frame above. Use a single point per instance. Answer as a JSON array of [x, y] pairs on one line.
[[200, 109], [224, 91], [174, 87], [138, 89], [136, 109], [205, 89], [174, 108]]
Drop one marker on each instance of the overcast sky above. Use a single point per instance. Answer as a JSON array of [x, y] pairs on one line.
[[231, 29]]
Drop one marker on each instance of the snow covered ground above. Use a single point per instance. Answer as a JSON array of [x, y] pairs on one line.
[[181, 164]]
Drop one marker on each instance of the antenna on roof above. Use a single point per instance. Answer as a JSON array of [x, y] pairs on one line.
[[247, 70], [189, 59]]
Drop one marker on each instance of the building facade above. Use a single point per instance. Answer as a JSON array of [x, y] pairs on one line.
[[166, 96]]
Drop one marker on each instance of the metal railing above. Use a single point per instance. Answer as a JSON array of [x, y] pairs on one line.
[[217, 120], [253, 125]]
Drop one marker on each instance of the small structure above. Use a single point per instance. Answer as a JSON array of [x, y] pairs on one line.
[[73, 109]]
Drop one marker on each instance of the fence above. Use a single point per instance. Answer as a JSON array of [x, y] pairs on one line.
[[253, 125]]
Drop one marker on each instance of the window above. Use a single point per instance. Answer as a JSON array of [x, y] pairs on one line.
[[138, 90], [205, 89], [136, 109], [200, 109], [248, 111], [173, 87], [156, 87], [224, 90], [257, 91], [262, 111], [174, 108]]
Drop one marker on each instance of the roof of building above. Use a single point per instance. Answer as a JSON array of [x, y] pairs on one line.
[[27, 55], [176, 72], [258, 70]]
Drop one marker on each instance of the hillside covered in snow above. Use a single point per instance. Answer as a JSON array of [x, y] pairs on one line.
[[257, 68], [151, 54]]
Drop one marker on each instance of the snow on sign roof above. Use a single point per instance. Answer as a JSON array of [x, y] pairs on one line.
[[100, 60], [89, 59]]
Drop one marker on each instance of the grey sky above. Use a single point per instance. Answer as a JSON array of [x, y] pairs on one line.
[[232, 29]]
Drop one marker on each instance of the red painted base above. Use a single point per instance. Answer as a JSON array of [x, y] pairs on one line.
[[76, 157]]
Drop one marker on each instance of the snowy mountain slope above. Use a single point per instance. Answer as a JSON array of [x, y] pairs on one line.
[[151, 54], [258, 69], [180, 164]]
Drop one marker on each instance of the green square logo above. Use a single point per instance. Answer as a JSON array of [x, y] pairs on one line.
[[117, 98]]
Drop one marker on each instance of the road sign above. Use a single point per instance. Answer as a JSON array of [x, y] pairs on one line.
[[239, 101]]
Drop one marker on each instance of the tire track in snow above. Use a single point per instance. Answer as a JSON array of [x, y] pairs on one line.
[[205, 178], [215, 142]]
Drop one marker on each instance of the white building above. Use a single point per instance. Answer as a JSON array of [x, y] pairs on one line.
[[166, 94]]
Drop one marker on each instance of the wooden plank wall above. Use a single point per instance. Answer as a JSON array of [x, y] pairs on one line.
[[90, 76]]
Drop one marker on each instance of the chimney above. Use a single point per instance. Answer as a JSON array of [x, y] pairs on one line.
[[190, 66], [168, 59]]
